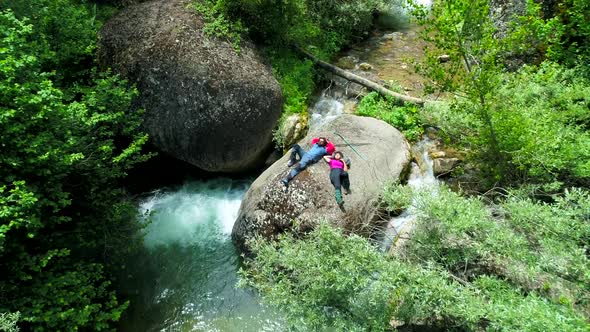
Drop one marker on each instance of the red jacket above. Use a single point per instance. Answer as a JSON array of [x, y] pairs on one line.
[[330, 148]]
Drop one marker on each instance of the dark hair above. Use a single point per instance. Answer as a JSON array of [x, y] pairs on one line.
[[340, 153], [324, 139]]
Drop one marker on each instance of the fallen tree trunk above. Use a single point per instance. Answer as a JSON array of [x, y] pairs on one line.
[[360, 80]]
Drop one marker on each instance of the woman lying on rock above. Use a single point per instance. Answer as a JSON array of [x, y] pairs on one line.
[[339, 176], [320, 147]]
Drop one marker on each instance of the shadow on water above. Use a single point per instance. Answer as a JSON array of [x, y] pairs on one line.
[[163, 170]]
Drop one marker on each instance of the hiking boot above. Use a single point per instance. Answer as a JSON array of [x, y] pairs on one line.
[[339, 200], [341, 206], [291, 163], [347, 191]]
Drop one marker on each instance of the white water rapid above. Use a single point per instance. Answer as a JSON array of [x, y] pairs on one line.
[[421, 178]]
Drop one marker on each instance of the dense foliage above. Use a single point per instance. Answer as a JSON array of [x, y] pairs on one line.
[[67, 139], [524, 126], [540, 117], [335, 282], [569, 31]]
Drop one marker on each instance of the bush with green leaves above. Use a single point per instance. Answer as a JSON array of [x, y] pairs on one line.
[[65, 34], [63, 214], [8, 321], [329, 281], [325, 25], [547, 139], [297, 78], [528, 126], [533, 246], [405, 118], [540, 116], [564, 30]]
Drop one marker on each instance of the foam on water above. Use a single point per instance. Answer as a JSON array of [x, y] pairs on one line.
[[325, 110], [420, 179], [196, 212]]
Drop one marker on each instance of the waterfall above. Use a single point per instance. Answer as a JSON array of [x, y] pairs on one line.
[[421, 178], [325, 110]]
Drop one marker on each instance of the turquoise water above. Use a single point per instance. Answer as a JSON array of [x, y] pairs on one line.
[[186, 280]]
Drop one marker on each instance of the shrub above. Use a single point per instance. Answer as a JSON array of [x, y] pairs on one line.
[[540, 116], [331, 281], [534, 246], [547, 138], [8, 321], [323, 27], [297, 79], [404, 118]]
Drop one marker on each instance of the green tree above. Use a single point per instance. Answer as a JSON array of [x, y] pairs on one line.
[[505, 115], [464, 31], [570, 42], [63, 214], [65, 34]]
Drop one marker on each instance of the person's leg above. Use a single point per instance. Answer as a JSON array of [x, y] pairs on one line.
[[296, 151], [344, 179], [335, 179], [294, 171]]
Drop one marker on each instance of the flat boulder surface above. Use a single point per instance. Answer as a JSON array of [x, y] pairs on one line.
[[382, 155], [205, 103]]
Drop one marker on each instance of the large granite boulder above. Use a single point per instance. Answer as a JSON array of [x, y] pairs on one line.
[[205, 103], [267, 209]]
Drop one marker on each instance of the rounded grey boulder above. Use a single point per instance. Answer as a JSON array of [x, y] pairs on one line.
[[205, 103], [383, 156]]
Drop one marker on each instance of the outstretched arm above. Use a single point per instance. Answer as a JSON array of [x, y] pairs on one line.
[[327, 159], [345, 166]]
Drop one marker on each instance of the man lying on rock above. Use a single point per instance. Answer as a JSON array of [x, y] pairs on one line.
[[320, 147]]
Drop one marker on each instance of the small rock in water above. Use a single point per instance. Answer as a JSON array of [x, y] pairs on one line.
[[393, 36], [365, 66], [444, 58], [437, 154], [442, 166], [347, 62]]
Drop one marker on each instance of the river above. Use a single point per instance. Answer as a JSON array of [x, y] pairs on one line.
[[186, 280]]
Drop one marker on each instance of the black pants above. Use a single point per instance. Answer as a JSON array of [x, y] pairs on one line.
[[339, 178]]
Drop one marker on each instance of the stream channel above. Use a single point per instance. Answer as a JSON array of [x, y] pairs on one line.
[[187, 279]]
